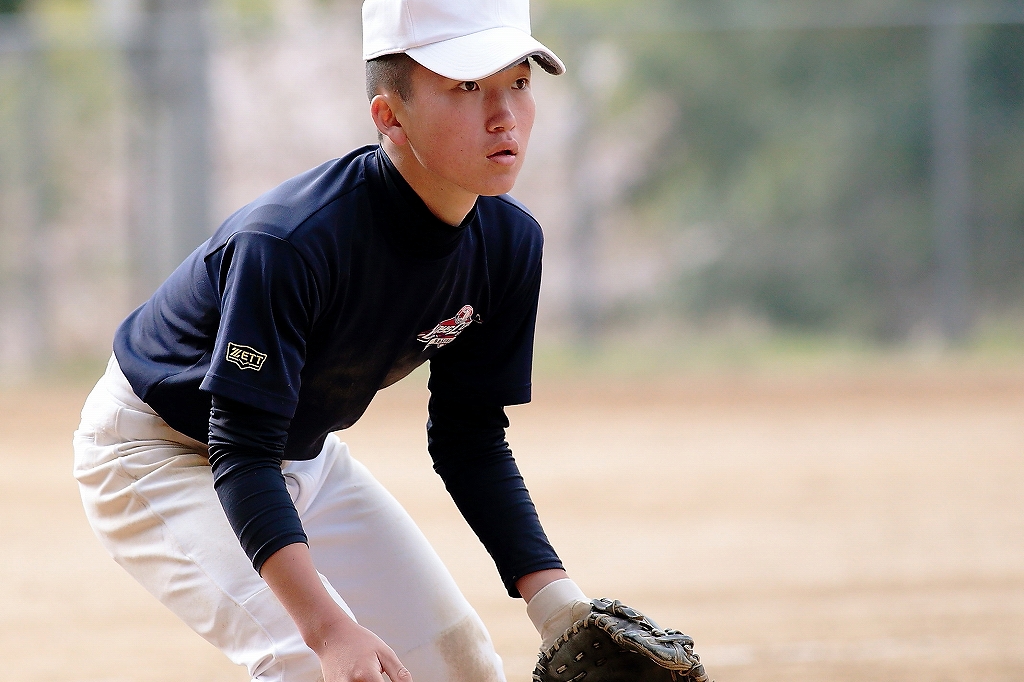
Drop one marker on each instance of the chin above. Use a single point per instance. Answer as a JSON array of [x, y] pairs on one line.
[[498, 186], [496, 192]]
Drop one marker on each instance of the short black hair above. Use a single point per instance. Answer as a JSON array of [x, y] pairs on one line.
[[390, 72]]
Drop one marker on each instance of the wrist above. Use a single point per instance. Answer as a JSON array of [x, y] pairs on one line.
[[555, 607], [318, 611], [531, 583], [318, 632]]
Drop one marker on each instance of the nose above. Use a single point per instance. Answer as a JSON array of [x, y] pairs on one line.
[[501, 118]]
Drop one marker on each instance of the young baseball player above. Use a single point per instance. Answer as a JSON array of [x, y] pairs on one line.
[[206, 455]]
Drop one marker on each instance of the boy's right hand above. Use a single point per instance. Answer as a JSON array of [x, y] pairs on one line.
[[351, 653], [348, 652]]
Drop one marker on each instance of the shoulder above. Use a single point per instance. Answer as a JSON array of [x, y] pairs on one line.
[[513, 241], [507, 220], [281, 211]]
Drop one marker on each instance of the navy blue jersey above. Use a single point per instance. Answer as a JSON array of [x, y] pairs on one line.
[[330, 287]]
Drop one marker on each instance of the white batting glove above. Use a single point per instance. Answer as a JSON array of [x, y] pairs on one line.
[[555, 608]]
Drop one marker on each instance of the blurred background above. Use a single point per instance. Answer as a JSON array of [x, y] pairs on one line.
[[709, 175]]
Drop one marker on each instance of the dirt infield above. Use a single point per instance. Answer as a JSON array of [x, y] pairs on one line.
[[830, 527]]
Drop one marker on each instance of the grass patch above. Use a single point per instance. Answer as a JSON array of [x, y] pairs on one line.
[[668, 355]]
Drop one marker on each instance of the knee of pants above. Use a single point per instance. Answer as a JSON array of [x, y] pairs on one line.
[[462, 653]]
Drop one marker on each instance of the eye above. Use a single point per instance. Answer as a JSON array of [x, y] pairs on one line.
[[522, 83], [469, 86]]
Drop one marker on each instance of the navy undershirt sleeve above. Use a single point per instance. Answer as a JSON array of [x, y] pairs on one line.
[[246, 446], [467, 443]]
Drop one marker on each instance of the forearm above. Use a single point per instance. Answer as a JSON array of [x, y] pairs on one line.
[[245, 454], [246, 446], [293, 579], [493, 499], [467, 443]]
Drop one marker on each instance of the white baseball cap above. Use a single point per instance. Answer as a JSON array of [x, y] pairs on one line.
[[458, 39]]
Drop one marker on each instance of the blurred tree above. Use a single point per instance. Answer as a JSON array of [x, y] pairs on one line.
[[249, 18], [804, 156], [11, 6], [998, 127]]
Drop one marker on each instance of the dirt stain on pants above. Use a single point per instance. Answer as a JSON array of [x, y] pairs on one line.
[[467, 650]]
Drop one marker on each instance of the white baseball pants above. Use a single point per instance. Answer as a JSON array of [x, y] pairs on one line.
[[148, 494]]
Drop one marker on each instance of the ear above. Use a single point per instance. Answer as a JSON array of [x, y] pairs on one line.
[[386, 119]]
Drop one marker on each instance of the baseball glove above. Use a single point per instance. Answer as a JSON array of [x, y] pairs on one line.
[[615, 643]]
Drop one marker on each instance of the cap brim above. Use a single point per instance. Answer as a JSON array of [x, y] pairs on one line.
[[478, 55]]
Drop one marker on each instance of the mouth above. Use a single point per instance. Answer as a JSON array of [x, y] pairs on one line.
[[505, 153]]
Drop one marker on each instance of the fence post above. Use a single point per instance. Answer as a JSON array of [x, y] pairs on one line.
[[950, 173], [26, 195], [168, 61]]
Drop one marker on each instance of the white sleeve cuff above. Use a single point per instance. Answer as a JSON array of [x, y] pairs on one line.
[[551, 598]]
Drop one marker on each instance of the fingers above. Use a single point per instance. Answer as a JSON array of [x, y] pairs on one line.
[[361, 656], [392, 667]]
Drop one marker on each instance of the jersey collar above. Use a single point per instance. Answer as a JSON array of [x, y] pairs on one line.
[[408, 224]]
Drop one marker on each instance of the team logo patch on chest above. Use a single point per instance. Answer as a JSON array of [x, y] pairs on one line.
[[245, 357], [446, 330]]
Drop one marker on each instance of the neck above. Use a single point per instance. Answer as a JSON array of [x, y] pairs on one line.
[[449, 202]]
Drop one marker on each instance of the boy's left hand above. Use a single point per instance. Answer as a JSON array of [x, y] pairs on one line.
[[614, 642]]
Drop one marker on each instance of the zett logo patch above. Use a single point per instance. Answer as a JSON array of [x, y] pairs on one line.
[[245, 357], [446, 331]]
